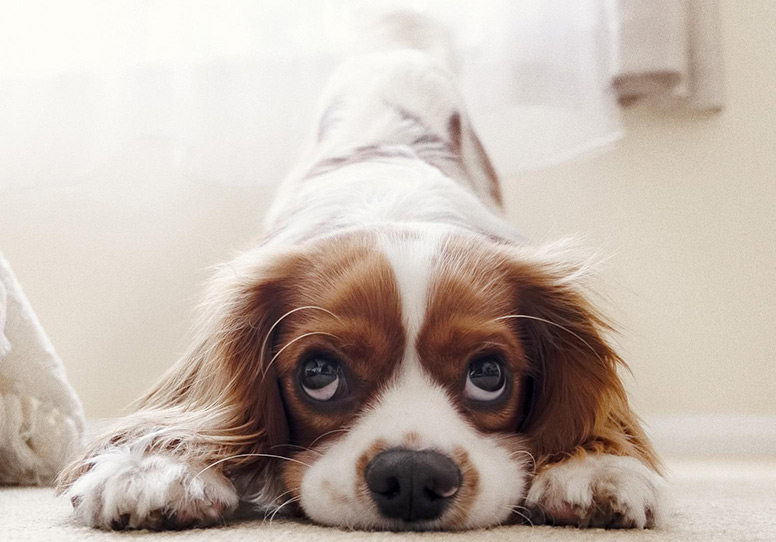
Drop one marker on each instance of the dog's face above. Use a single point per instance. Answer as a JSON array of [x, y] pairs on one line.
[[419, 374]]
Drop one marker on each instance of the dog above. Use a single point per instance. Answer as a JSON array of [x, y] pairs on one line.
[[391, 354]]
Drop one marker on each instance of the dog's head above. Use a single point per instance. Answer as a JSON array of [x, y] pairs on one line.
[[408, 380]]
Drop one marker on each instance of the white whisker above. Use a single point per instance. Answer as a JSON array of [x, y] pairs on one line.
[[289, 501], [272, 456], [292, 311], [550, 322], [529, 454], [319, 437], [516, 510], [303, 448], [266, 369], [276, 498]]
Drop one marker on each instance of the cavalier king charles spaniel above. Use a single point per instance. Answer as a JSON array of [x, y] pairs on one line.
[[391, 354]]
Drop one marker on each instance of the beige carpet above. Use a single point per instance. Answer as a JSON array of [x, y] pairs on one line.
[[713, 501]]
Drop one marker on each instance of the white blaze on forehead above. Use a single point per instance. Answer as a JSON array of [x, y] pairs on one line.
[[412, 261]]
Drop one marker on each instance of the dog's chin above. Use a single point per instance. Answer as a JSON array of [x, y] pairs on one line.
[[398, 525], [368, 520], [379, 523], [442, 524]]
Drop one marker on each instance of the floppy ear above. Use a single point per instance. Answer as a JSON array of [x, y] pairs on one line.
[[574, 399], [220, 404]]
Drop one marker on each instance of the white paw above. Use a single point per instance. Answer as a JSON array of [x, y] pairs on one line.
[[126, 490], [598, 491]]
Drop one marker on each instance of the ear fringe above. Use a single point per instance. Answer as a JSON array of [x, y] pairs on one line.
[[580, 401], [568, 260], [215, 407]]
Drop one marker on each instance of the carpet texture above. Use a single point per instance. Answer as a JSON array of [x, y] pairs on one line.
[[712, 501]]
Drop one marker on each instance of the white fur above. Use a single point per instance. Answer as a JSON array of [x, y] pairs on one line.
[[604, 485], [148, 488], [395, 192], [412, 263]]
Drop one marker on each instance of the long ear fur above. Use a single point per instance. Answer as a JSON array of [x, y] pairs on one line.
[[219, 405], [576, 400]]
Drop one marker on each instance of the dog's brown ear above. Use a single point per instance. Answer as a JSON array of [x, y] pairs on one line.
[[228, 368], [573, 396], [220, 404]]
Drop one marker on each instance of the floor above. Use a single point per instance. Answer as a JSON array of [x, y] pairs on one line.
[[713, 500]]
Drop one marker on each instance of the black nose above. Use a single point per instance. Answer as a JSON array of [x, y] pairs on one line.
[[412, 485]]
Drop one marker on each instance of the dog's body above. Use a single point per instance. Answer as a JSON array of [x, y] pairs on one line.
[[393, 355]]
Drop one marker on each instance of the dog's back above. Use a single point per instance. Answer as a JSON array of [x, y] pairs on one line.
[[393, 143]]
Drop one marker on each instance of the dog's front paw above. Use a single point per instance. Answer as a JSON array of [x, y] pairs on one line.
[[125, 490], [597, 491]]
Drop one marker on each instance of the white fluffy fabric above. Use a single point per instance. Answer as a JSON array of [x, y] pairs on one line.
[[41, 418]]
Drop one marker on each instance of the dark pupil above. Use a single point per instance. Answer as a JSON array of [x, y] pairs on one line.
[[318, 373], [486, 374]]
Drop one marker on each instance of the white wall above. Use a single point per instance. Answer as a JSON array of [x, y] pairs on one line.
[[686, 206]]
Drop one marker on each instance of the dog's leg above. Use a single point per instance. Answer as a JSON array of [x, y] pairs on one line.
[[128, 487], [597, 490], [612, 481]]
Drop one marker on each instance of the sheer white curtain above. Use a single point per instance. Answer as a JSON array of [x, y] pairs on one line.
[[226, 89]]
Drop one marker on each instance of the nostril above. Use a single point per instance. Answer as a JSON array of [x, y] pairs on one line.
[[446, 494], [442, 479], [392, 488], [435, 491]]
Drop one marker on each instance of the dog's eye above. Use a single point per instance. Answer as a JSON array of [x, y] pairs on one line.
[[322, 378], [485, 380]]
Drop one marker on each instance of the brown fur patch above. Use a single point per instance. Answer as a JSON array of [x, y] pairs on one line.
[[365, 153], [411, 440], [468, 491], [293, 471], [494, 187], [362, 491], [356, 318], [467, 297]]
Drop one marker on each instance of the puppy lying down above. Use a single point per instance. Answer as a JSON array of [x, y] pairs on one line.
[[391, 355]]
